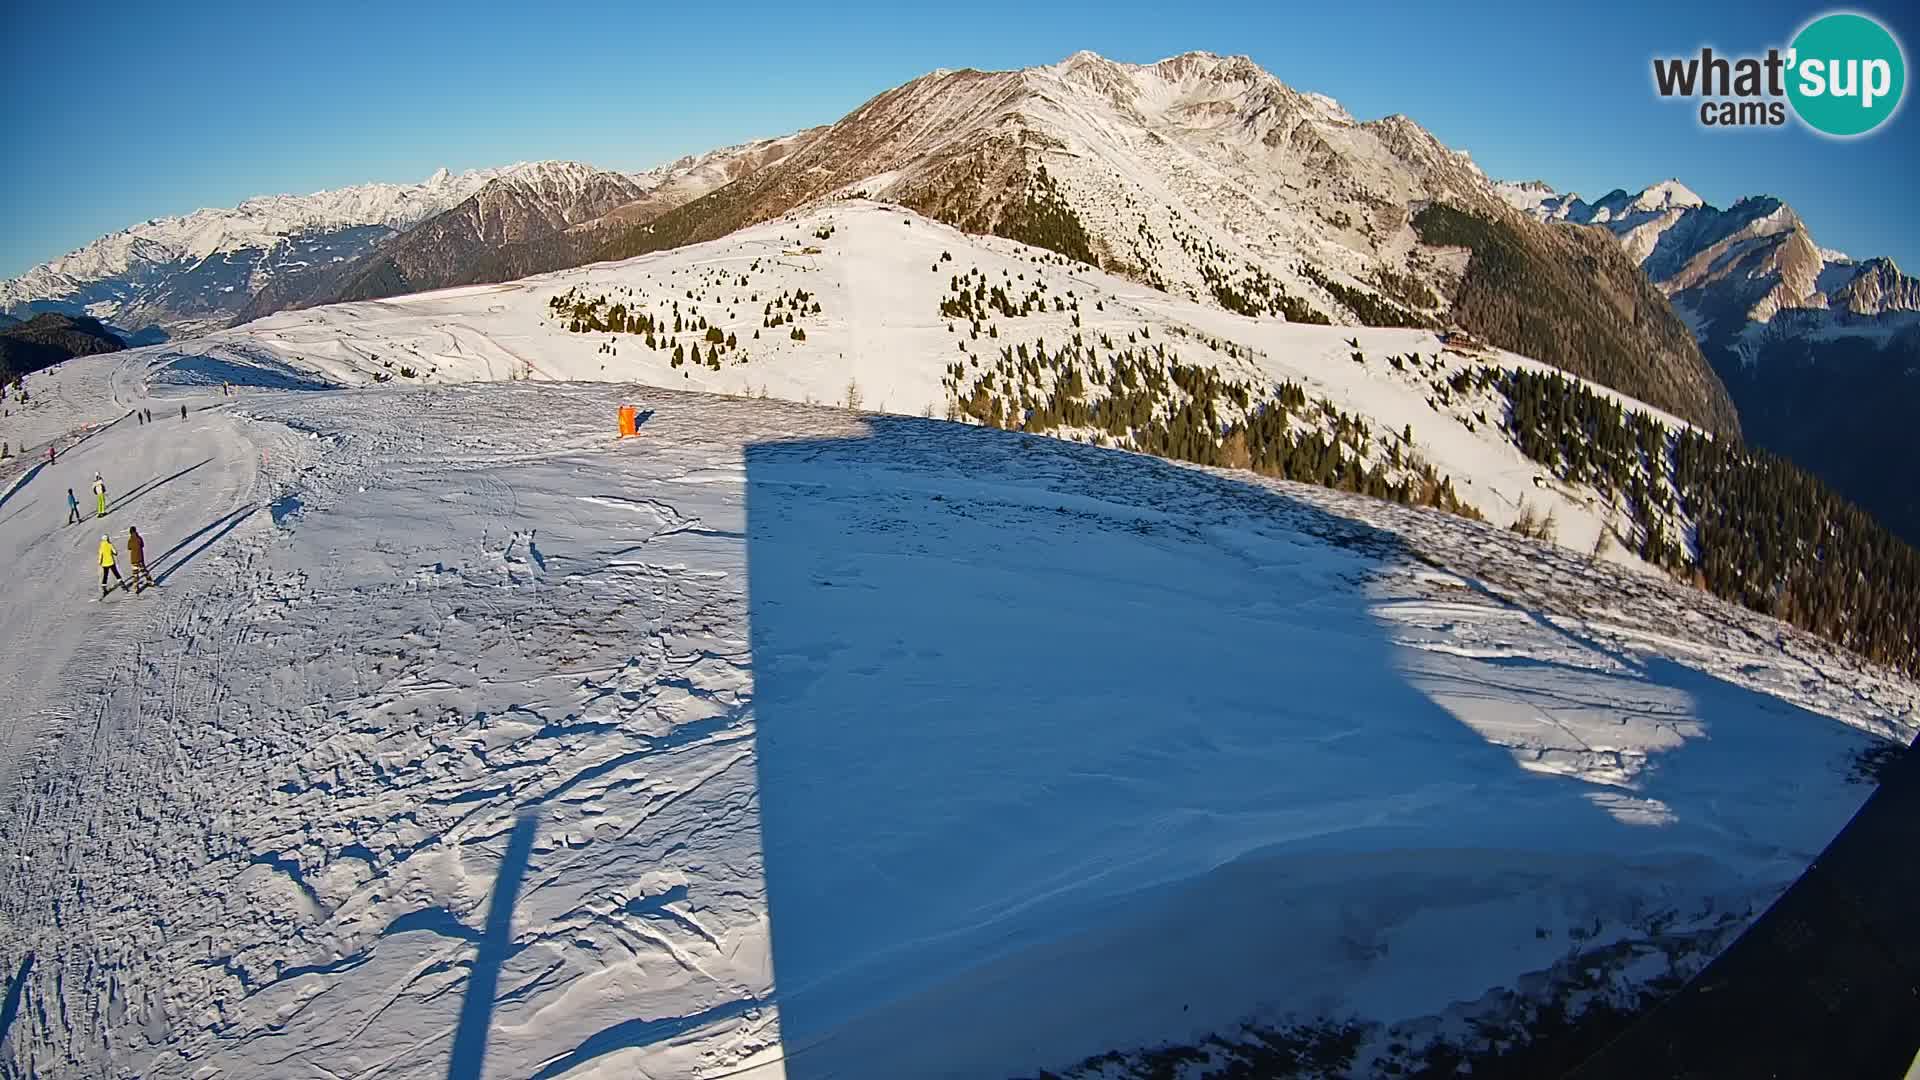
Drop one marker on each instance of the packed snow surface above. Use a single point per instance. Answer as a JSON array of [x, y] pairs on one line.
[[464, 739]]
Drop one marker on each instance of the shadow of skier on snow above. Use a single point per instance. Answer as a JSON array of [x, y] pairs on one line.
[[17, 486], [219, 527], [151, 486]]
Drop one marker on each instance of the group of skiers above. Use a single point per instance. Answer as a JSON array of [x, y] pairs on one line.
[[99, 501], [138, 578], [141, 577], [136, 562]]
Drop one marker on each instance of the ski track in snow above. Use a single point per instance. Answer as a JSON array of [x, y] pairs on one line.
[[821, 727]]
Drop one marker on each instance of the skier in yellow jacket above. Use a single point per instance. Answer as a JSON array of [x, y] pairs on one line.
[[109, 564]]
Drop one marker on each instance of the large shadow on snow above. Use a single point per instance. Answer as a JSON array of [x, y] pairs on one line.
[[476, 1008], [1826, 983], [262, 370], [1104, 723]]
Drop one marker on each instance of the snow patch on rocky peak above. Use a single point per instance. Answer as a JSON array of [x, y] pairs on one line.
[[1667, 195]]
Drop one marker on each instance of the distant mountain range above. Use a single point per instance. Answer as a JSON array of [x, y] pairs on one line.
[[501, 231], [193, 273], [1731, 270], [181, 276], [449, 247], [1820, 351]]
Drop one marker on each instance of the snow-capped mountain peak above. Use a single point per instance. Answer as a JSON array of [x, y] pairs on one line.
[[1083, 58], [1744, 264], [1538, 198], [556, 181], [1667, 195]]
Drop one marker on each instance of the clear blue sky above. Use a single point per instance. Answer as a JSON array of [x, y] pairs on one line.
[[119, 112]]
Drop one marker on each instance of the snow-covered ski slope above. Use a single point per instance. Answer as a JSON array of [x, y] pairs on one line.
[[879, 275], [466, 740]]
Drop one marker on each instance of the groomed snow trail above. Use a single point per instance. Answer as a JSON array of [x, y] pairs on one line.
[[164, 478], [92, 684], [470, 742]]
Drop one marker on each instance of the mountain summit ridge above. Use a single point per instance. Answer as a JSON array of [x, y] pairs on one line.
[[1752, 260], [1198, 174], [1207, 177]]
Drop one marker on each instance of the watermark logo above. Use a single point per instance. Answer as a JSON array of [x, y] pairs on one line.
[[1843, 75]]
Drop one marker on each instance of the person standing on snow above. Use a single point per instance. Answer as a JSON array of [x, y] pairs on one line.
[[109, 564], [183, 412], [137, 562], [73, 508], [99, 496]]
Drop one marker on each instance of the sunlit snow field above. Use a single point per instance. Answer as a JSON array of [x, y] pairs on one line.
[[464, 739]]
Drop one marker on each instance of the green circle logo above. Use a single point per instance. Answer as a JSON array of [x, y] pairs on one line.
[[1847, 74]]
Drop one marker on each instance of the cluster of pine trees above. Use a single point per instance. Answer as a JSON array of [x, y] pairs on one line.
[[1405, 288], [1370, 309], [1140, 246], [1256, 293], [1570, 297], [975, 299], [594, 315], [1043, 218], [1775, 539], [586, 313], [782, 309], [1766, 535], [1589, 438], [1152, 402]]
